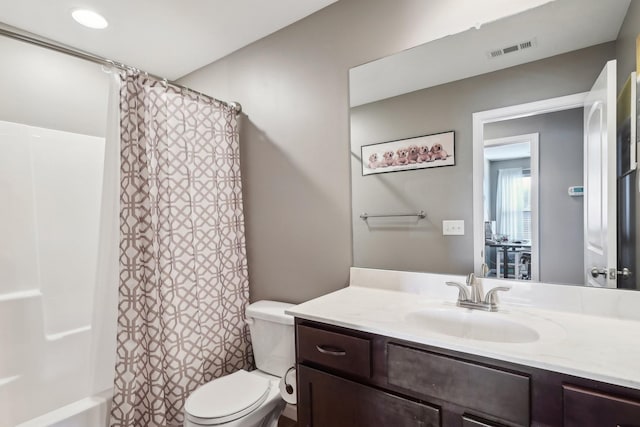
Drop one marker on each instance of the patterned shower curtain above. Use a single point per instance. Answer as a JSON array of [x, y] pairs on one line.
[[183, 268]]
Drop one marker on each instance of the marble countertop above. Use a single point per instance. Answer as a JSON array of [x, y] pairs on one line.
[[600, 348]]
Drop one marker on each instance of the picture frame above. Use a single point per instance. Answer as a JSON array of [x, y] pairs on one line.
[[418, 152]]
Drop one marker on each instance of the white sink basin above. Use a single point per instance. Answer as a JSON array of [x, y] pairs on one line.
[[473, 324]]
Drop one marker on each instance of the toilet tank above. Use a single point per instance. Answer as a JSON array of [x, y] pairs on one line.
[[272, 336]]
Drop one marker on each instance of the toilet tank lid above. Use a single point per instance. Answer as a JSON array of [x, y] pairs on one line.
[[272, 311]]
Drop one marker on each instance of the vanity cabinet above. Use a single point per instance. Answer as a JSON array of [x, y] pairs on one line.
[[356, 379]]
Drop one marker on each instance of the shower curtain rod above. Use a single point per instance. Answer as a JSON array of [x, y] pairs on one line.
[[31, 38]]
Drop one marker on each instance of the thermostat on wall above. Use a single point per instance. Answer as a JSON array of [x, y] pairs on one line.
[[577, 190]]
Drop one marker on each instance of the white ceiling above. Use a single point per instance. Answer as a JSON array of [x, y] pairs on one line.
[[558, 27], [169, 38]]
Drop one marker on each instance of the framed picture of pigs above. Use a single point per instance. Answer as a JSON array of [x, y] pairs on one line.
[[420, 152]]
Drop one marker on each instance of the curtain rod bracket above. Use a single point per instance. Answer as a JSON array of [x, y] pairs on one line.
[[235, 106]]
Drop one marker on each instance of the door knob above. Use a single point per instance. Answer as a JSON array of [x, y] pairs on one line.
[[595, 272], [625, 273]]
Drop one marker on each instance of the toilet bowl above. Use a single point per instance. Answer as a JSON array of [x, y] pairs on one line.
[[247, 399], [250, 399]]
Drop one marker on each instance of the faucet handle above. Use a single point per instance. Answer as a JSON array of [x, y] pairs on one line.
[[484, 269], [471, 279], [463, 294], [492, 295]]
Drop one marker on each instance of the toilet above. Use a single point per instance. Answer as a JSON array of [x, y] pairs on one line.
[[250, 399]]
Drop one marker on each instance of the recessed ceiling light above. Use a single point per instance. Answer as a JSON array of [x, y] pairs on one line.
[[89, 18]]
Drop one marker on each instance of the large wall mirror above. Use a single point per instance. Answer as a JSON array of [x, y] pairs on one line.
[[544, 186]]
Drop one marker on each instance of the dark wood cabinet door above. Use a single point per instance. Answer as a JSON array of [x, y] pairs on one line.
[[329, 401], [589, 408]]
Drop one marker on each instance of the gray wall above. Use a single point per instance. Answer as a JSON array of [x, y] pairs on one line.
[[48, 89], [445, 193], [561, 166], [293, 86]]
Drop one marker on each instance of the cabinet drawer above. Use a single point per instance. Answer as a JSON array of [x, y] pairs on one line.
[[497, 394], [334, 350], [589, 408]]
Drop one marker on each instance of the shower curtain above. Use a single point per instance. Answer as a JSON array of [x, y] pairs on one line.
[[183, 269]]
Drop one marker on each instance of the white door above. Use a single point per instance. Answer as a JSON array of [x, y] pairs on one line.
[[600, 180]]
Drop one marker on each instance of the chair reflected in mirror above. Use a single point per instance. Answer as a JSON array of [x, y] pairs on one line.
[[509, 260], [518, 264]]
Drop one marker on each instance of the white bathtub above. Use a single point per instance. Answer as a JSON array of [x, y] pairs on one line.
[[88, 412], [50, 379]]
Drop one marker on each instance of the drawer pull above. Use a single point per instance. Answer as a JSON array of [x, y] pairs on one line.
[[332, 351]]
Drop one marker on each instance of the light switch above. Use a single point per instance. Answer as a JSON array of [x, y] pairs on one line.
[[453, 228]]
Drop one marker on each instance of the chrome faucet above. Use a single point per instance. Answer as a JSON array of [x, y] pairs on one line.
[[475, 298]]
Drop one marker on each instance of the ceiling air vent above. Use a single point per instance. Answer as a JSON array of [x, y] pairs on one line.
[[513, 48], [526, 45], [510, 49]]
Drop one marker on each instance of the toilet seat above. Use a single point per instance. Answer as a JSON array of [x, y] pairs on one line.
[[227, 398]]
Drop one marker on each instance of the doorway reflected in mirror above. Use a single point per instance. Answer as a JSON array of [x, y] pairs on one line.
[[508, 206]]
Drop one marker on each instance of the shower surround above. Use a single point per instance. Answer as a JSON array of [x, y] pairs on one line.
[[50, 194]]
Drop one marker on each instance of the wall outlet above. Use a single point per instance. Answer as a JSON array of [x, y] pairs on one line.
[[453, 228]]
